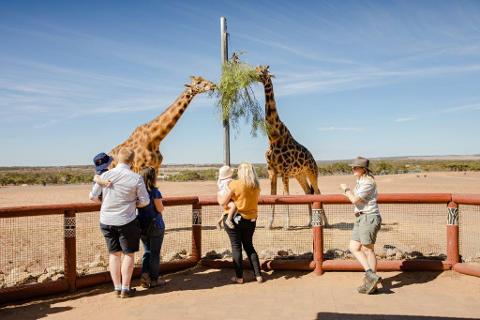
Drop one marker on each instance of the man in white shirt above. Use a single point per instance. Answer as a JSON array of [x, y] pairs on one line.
[[118, 221]]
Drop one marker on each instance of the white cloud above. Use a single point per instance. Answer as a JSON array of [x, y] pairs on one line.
[[467, 107], [406, 119], [341, 129]]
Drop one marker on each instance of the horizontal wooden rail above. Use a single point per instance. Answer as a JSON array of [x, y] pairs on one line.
[[472, 199], [341, 199]]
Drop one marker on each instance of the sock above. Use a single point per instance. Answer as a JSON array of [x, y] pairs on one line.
[[118, 288], [125, 288]]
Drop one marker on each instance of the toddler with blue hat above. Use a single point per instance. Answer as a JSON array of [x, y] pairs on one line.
[[101, 162]]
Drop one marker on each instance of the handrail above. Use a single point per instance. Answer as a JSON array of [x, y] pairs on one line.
[[58, 209], [341, 199], [54, 209], [473, 199]]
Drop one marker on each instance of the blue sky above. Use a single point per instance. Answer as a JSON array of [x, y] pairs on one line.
[[371, 78]]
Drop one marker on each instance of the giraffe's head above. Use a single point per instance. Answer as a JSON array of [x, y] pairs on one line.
[[199, 85], [263, 73]]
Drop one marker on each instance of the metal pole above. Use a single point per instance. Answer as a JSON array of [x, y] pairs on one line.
[[224, 56]]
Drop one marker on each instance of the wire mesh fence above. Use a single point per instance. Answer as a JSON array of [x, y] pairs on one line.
[[408, 231], [31, 250], [469, 234], [269, 243], [92, 254], [32, 247]]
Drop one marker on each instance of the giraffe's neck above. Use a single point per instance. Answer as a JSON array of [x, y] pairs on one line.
[[277, 131], [164, 123]]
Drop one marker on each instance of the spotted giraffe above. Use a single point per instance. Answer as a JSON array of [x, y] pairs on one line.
[[285, 156], [145, 139]]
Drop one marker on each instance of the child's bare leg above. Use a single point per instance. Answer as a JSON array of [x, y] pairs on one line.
[[219, 222], [231, 211]]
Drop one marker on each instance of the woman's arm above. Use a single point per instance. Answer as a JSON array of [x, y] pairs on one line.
[[356, 200], [223, 200], [158, 205]]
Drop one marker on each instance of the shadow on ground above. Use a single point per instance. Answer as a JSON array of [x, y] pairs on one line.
[[352, 316], [405, 279], [197, 278]]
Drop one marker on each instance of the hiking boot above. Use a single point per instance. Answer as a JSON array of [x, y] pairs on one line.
[[128, 293], [371, 281], [145, 280]]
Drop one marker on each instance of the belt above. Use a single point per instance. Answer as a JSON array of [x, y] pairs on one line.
[[358, 214]]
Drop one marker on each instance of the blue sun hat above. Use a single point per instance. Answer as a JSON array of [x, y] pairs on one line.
[[101, 162]]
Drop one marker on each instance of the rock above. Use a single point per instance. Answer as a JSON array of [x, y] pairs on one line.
[[57, 277], [226, 253], [173, 256], [266, 254], [306, 256], [44, 278], [390, 253], [213, 255], [398, 255], [337, 253], [282, 253], [16, 279], [54, 270]]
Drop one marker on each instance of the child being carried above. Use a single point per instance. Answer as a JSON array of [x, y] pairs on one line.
[[225, 174]]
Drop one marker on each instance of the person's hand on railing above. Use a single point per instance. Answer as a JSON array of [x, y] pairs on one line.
[[344, 187]]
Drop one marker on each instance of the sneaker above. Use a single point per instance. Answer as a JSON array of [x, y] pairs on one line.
[[117, 293], [259, 279], [128, 293], [145, 280]]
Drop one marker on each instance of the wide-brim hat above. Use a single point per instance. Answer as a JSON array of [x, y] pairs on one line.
[[360, 162], [102, 161], [225, 172]]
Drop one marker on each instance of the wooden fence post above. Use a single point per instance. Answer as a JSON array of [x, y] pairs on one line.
[[317, 230], [196, 231], [70, 249], [453, 255]]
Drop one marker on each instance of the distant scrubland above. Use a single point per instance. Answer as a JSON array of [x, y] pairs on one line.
[[84, 174]]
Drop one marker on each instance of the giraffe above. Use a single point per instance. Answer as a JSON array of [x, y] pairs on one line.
[[145, 139], [285, 156]]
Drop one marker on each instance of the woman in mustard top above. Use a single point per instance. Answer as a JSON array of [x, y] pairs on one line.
[[245, 193]]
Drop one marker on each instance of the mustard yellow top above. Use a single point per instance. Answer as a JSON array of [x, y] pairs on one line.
[[245, 199]]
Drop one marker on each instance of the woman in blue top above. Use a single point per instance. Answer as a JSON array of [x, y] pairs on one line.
[[153, 230]]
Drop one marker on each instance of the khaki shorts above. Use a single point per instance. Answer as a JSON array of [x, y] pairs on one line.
[[366, 227]]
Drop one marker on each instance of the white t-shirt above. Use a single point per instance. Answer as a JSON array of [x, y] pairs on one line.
[[366, 189], [223, 186]]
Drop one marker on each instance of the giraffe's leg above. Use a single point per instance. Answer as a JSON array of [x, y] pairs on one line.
[[302, 180], [312, 177], [286, 191], [272, 175]]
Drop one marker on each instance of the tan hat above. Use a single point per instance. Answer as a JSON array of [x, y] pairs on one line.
[[360, 162], [225, 172]]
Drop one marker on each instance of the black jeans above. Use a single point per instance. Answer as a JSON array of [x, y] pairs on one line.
[[242, 234]]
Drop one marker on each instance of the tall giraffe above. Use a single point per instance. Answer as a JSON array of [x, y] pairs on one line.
[[145, 139], [285, 156]]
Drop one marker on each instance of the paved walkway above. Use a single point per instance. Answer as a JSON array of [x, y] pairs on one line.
[[207, 294]]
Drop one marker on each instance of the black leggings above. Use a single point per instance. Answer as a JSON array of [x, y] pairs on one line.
[[242, 234]]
